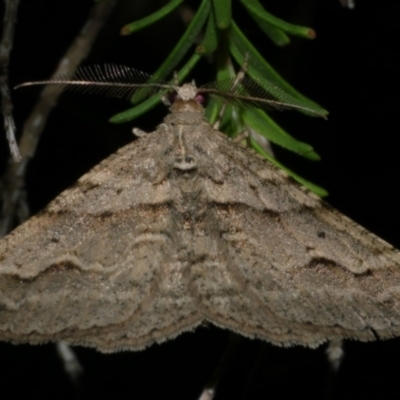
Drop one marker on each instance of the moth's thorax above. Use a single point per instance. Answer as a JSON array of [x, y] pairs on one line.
[[191, 106], [183, 128], [185, 112], [185, 160]]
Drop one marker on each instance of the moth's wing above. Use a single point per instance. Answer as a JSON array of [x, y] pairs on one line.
[[297, 271], [98, 266]]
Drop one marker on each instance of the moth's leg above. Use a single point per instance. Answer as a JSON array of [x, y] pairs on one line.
[[70, 361], [176, 80], [262, 141], [165, 99], [245, 135], [138, 132], [335, 354], [222, 368], [249, 134], [239, 77]]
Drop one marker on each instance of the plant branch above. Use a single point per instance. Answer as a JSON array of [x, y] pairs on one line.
[[12, 181], [10, 17]]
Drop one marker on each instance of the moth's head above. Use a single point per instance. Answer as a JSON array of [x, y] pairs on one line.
[[187, 91], [185, 98]]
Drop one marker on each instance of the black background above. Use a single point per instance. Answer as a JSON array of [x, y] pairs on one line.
[[351, 68]]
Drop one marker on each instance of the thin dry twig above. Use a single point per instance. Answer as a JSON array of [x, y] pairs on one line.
[[348, 3], [10, 17], [12, 181]]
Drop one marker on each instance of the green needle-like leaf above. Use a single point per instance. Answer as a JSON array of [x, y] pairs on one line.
[[255, 9], [276, 35], [181, 48], [264, 125], [151, 19], [136, 111], [212, 110], [223, 13], [210, 41], [318, 190], [260, 70], [185, 42], [225, 71]]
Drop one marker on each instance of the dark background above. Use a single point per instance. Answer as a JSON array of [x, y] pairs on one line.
[[351, 68]]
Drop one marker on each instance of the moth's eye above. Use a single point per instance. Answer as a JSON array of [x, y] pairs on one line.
[[171, 97], [201, 99]]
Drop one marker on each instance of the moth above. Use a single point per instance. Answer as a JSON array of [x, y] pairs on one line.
[[183, 227]]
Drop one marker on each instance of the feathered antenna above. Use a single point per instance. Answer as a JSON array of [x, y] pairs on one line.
[[122, 82], [251, 93], [108, 79]]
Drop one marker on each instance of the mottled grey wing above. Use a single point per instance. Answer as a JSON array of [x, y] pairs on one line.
[[296, 271], [98, 266]]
